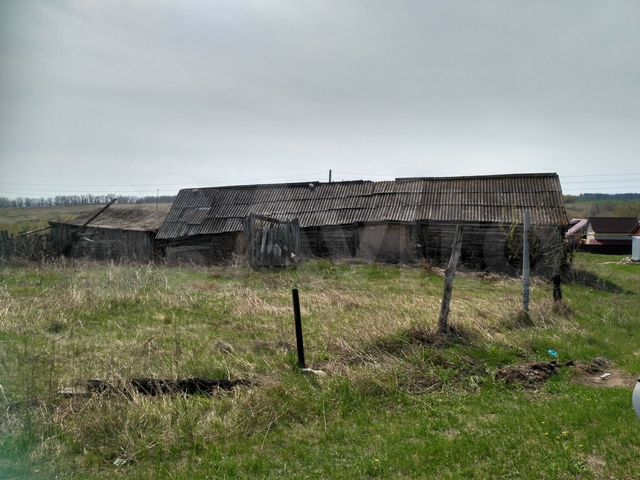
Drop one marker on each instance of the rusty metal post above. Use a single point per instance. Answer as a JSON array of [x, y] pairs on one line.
[[298, 322]]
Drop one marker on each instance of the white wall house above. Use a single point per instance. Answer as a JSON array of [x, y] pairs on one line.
[[635, 244]]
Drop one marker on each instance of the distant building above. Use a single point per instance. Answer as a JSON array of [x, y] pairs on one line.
[[635, 243], [609, 234], [119, 232], [395, 221], [577, 231]]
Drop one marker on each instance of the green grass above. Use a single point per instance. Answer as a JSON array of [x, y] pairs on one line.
[[390, 406]]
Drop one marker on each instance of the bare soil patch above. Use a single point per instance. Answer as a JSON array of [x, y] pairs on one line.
[[601, 373], [530, 375]]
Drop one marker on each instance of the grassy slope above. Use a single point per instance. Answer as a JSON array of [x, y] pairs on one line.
[[18, 220], [577, 208], [389, 407]]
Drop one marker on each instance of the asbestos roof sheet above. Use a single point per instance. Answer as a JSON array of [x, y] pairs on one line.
[[485, 199], [125, 217]]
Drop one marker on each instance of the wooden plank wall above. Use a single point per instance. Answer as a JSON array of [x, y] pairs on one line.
[[492, 247], [489, 247], [388, 242], [105, 243], [330, 242], [205, 250]]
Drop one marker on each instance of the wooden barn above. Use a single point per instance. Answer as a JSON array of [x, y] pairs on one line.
[[394, 221], [115, 233]]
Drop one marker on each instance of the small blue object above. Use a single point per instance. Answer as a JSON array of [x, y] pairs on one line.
[[552, 353]]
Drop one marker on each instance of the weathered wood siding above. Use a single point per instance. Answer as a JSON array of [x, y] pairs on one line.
[[104, 243], [482, 245], [388, 242], [329, 242], [206, 250], [493, 247], [31, 247]]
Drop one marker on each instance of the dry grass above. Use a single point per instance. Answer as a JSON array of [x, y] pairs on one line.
[[101, 317], [368, 326]]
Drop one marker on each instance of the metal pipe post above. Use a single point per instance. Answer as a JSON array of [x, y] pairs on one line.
[[298, 322]]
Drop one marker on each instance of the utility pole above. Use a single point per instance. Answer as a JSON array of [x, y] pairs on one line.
[[526, 267], [157, 190], [329, 176]]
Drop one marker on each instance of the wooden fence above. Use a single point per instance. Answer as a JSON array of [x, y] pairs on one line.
[[28, 247]]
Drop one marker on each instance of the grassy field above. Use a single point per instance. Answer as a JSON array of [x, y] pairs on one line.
[[18, 220], [579, 208], [392, 405]]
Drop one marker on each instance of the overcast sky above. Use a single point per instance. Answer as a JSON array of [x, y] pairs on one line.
[[115, 96]]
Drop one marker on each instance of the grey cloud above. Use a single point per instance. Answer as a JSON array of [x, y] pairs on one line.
[[228, 91]]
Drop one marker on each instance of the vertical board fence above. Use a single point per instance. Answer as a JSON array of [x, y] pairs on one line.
[[271, 242], [28, 247]]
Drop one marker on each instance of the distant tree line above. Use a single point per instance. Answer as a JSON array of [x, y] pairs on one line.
[[607, 196], [603, 205], [84, 199]]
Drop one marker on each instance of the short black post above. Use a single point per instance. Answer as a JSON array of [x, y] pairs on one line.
[[298, 321]]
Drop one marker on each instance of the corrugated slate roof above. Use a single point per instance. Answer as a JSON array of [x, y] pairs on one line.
[[125, 217], [487, 199]]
